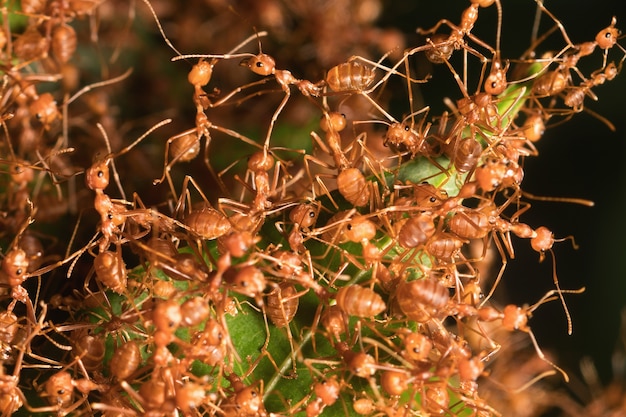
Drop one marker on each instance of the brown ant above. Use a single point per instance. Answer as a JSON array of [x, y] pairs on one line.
[[607, 39], [185, 146], [516, 318], [244, 401], [327, 393], [270, 191], [456, 38], [263, 64], [575, 97], [351, 183], [97, 179]]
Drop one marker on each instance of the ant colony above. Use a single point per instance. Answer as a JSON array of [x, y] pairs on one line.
[[274, 235]]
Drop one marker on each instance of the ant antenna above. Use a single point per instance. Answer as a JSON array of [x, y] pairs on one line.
[[156, 19], [535, 31], [573, 200]]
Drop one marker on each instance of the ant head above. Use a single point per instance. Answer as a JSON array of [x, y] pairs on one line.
[[261, 64], [543, 240], [15, 263], [260, 161], [607, 37], [97, 175], [327, 390], [399, 133], [417, 347], [248, 281], [44, 109], [287, 262], [304, 214], [496, 83], [333, 121], [441, 50], [21, 173], [427, 195], [167, 316], [360, 228]]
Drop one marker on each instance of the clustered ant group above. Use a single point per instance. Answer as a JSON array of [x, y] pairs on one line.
[[345, 276]]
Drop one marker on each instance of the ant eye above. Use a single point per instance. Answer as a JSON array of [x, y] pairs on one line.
[[259, 64]]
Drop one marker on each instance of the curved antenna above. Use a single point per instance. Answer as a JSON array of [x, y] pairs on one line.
[[156, 19]]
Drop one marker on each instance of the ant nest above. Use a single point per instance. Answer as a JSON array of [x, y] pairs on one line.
[[290, 256]]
